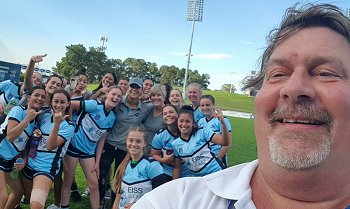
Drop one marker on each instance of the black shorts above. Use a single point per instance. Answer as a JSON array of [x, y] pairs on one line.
[[74, 152], [29, 173], [7, 165]]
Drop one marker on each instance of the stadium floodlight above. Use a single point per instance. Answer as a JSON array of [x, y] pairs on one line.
[[103, 40], [194, 13], [347, 12]]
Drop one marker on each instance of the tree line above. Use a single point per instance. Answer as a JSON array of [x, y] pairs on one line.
[[97, 64]]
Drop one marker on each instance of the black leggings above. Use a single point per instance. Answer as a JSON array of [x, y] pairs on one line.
[[109, 154]]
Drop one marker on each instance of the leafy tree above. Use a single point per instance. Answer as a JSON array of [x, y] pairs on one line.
[[97, 64], [167, 74], [75, 59], [228, 88]]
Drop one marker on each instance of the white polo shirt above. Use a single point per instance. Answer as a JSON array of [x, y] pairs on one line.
[[226, 189]]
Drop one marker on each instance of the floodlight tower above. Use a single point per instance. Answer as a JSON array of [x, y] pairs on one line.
[[194, 13], [103, 40], [347, 12]]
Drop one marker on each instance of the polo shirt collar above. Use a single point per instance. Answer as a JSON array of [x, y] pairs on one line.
[[232, 184], [123, 101]]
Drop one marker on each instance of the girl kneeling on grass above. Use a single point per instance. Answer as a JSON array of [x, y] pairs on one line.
[[87, 144], [137, 174], [44, 159], [193, 145], [15, 132]]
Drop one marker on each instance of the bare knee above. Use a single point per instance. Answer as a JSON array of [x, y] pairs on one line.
[[3, 197], [93, 186], [36, 205]]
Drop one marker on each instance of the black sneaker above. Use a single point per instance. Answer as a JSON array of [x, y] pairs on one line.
[[75, 196], [24, 200]]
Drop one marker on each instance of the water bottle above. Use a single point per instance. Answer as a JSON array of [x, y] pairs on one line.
[[169, 149], [15, 172], [34, 145], [13, 102]]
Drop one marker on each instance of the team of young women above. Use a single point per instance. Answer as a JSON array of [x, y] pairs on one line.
[[180, 148]]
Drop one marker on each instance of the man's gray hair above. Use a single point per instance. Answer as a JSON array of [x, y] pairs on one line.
[[294, 20]]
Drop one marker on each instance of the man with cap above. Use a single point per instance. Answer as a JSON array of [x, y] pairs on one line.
[[130, 112]]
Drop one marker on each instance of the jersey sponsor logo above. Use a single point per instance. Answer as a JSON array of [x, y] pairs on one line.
[[97, 116], [181, 150], [197, 158], [135, 190], [20, 139], [42, 122]]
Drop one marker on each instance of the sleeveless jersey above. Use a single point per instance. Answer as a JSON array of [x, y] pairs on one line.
[[137, 180], [93, 122], [214, 124], [197, 152], [159, 142], [8, 90], [9, 150], [198, 114], [45, 160]]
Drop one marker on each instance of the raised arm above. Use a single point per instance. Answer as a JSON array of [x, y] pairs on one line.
[[54, 140], [28, 79], [223, 139], [15, 128]]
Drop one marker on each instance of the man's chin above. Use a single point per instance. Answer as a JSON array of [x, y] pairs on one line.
[[293, 156]]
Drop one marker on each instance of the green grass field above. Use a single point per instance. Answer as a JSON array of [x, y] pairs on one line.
[[243, 138]]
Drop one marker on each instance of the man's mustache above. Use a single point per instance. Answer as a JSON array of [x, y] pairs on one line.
[[302, 112]]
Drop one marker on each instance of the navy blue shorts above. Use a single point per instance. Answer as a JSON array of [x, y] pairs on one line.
[[29, 173], [74, 152], [7, 165]]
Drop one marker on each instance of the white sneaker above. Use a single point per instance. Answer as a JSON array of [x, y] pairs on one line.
[[108, 194], [86, 193], [53, 206]]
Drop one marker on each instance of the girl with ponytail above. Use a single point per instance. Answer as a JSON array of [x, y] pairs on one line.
[[137, 174]]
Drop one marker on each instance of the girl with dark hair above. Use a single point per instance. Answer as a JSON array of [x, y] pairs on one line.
[[162, 150], [168, 89], [109, 79], [52, 137], [137, 174], [53, 83], [93, 124], [193, 145], [78, 91], [212, 122], [15, 132]]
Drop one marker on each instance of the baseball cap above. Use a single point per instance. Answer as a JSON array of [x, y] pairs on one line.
[[137, 81]]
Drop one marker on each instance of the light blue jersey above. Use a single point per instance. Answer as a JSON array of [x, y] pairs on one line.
[[160, 142], [76, 114], [93, 122], [8, 90], [50, 161], [197, 152], [214, 124], [137, 180], [198, 114], [9, 150]]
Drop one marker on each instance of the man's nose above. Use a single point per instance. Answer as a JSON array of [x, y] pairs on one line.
[[299, 88]]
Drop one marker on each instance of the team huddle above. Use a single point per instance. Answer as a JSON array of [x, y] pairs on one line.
[[145, 128]]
